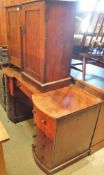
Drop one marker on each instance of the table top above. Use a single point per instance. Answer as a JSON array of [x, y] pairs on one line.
[[64, 101], [3, 133]]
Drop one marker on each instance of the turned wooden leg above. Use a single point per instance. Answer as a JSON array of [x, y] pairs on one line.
[[2, 164], [84, 68]]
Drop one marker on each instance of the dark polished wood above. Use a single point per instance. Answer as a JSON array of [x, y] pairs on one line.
[[14, 36], [72, 113]]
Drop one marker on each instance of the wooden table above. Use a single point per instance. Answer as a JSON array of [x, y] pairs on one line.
[[3, 137]]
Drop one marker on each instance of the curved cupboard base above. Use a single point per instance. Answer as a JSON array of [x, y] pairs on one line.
[[60, 167]]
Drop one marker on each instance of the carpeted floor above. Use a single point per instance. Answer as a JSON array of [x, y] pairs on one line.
[[19, 159]]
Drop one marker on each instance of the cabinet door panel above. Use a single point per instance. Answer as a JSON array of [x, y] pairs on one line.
[[13, 16], [33, 42]]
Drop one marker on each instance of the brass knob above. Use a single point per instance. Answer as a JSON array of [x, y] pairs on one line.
[[34, 111], [44, 122], [34, 136]]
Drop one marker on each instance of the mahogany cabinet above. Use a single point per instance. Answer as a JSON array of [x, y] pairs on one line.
[[65, 121], [14, 34], [47, 40]]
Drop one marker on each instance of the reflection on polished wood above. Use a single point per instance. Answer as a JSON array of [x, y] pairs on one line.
[[65, 101]]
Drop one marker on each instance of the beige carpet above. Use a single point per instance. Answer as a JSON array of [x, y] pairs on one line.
[[19, 159]]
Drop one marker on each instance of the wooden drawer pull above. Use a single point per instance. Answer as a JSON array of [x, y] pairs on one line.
[[34, 136], [34, 125], [43, 121], [34, 111]]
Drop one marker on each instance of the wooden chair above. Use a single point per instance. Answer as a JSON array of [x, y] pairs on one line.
[[91, 48]]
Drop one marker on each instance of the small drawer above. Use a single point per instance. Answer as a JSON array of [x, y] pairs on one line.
[[46, 124]]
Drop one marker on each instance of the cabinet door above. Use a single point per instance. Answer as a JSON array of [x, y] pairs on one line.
[[33, 42], [14, 43]]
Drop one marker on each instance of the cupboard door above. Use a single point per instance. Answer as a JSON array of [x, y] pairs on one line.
[[13, 19], [33, 42]]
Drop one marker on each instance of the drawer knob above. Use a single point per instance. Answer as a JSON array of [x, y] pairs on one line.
[[42, 147], [34, 111], [33, 146], [34, 136], [44, 122], [34, 125]]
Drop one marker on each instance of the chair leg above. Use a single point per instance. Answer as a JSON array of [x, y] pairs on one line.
[[84, 68]]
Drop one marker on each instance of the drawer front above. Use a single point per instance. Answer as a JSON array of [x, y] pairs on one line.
[[46, 124], [43, 148]]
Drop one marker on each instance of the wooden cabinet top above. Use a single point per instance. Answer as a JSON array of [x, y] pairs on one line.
[[3, 133], [64, 101], [30, 1]]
